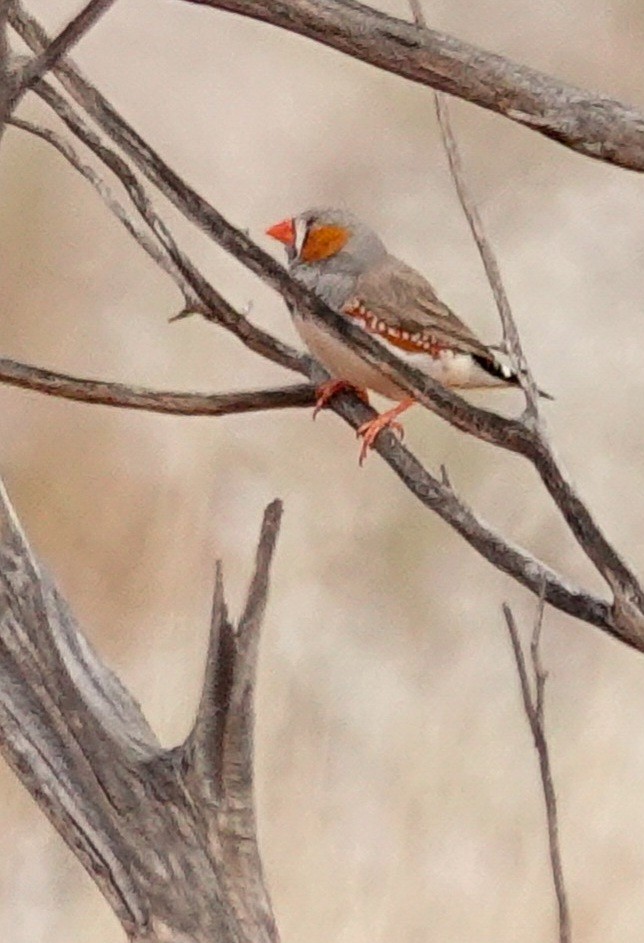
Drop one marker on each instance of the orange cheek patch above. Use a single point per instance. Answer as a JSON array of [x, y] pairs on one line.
[[323, 242]]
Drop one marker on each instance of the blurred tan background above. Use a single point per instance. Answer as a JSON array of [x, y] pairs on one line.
[[398, 789]]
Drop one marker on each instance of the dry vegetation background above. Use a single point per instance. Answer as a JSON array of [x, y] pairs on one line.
[[398, 790]]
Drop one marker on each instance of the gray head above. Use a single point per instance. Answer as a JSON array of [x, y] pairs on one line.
[[330, 240]]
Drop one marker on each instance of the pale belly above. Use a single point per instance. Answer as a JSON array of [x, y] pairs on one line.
[[449, 368]]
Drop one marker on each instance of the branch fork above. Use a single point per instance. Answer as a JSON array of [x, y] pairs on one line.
[[167, 835]]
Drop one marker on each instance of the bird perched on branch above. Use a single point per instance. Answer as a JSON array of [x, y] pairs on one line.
[[347, 266]]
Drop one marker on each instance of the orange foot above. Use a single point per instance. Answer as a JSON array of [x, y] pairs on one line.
[[330, 388], [369, 431]]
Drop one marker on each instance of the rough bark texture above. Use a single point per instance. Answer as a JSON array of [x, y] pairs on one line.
[[171, 402], [593, 125], [167, 835]]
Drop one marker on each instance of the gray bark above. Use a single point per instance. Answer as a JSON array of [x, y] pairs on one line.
[[168, 835], [591, 124]]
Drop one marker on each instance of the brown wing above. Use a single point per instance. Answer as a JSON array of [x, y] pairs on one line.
[[396, 302]]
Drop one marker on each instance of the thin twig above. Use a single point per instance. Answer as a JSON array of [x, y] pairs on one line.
[[511, 339], [35, 68], [171, 402], [152, 247], [212, 305], [533, 704], [177, 261]]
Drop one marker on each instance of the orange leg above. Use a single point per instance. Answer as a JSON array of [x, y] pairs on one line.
[[369, 431], [330, 388]]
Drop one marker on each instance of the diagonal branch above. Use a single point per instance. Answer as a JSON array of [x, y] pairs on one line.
[[35, 68], [151, 246], [171, 402], [512, 341], [219, 750], [591, 124], [221, 740]]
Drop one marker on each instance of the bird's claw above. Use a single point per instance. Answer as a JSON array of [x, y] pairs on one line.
[[369, 432], [327, 390]]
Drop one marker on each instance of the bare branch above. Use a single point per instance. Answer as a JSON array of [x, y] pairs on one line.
[[152, 247], [593, 125], [533, 705], [61, 44], [220, 746], [512, 342], [590, 124], [219, 749], [173, 870], [212, 304], [237, 752], [222, 737], [171, 402]]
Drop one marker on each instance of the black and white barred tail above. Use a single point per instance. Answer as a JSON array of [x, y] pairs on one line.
[[501, 371]]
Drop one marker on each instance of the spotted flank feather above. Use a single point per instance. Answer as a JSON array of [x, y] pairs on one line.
[[407, 340], [443, 342]]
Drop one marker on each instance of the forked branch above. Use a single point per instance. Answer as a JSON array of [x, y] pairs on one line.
[[177, 863], [60, 45]]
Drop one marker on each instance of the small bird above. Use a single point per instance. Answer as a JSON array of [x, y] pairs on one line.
[[346, 264]]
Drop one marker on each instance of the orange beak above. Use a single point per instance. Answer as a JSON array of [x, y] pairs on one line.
[[283, 232]]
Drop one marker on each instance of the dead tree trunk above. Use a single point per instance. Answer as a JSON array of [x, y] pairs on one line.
[[167, 835]]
